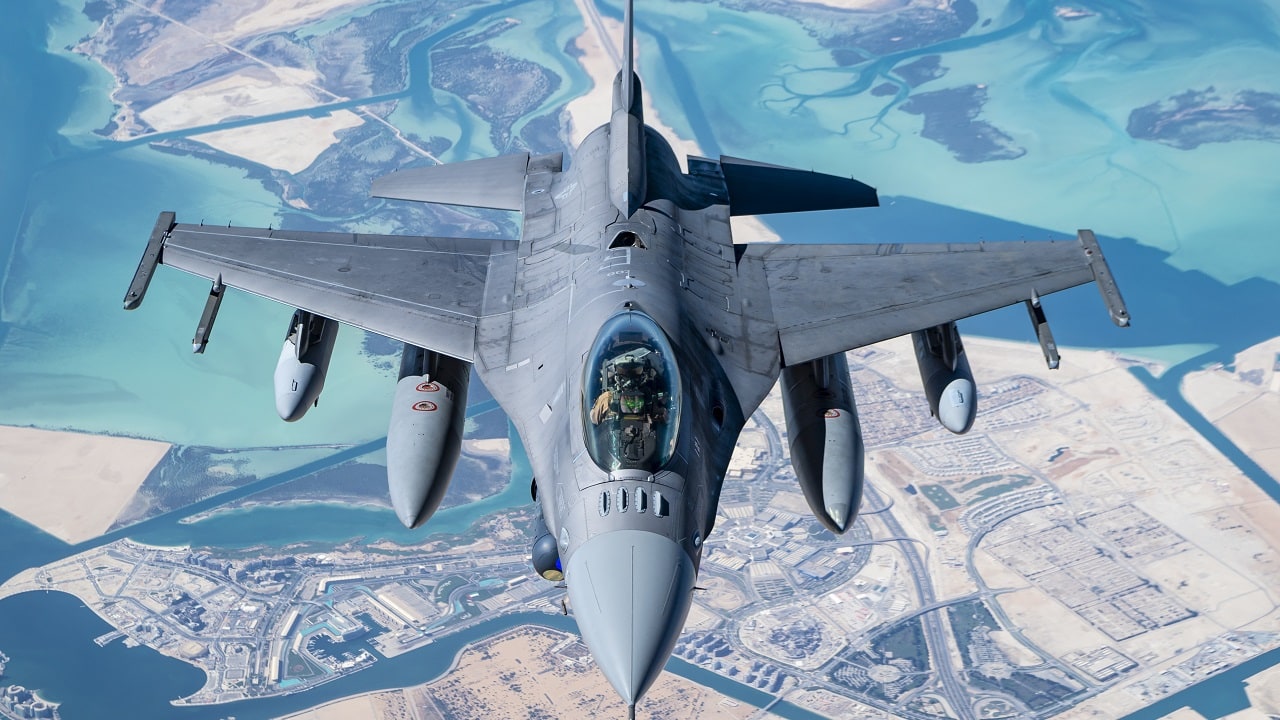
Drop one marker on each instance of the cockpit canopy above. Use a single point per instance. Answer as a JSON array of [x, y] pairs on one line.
[[631, 395]]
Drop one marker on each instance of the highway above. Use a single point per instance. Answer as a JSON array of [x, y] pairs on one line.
[[987, 593], [954, 689], [591, 14]]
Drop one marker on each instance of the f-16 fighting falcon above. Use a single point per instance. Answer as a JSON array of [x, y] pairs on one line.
[[628, 338]]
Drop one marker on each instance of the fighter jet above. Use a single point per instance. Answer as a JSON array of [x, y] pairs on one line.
[[628, 338]]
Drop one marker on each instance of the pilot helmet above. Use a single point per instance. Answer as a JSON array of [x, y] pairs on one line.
[[629, 371]]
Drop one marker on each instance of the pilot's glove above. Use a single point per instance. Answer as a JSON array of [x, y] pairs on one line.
[[600, 410]]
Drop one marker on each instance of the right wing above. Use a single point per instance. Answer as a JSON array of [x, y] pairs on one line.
[[828, 299], [425, 291]]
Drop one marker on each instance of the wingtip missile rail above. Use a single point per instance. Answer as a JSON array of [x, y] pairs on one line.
[[1103, 278], [150, 258]]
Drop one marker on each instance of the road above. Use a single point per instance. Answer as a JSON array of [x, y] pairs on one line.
[[955, 690], [591, 14]]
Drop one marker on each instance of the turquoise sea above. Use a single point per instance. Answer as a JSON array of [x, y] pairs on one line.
[[1190, 235]]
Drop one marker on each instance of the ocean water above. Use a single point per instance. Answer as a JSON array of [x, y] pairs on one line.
[[75, 214], [145, 681], [540, 34], [1062, 90], [334, 523], [428, 112]]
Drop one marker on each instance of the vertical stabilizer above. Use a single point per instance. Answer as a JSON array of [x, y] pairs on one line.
[[626, 87], [628, 57], [626, 130]]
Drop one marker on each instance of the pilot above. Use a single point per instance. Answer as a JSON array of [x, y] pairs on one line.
[[632, 393]]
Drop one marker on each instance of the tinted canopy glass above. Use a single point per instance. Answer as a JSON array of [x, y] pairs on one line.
[[630, 395]]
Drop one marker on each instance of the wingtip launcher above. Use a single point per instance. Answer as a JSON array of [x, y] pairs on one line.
[[150, 259], [1102, 276]]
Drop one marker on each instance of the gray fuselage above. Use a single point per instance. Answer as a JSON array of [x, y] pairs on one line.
[[675, 266]]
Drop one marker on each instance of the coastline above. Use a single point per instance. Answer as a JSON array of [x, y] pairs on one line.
[[493, 448], [1243, 401], [250, 505]]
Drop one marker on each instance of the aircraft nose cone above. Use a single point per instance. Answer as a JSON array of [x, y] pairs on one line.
[[630, 591], [957, 406]]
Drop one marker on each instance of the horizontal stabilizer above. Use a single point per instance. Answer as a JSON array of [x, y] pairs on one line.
[[496, 183], [760, 189]]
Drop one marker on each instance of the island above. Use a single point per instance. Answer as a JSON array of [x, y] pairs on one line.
[[1195, 117], [952, 118]]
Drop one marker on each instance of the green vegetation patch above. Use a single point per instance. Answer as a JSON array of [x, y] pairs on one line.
[[965, 617], [995, 490], [897, 663], [1036, 692], [984, 480], [903, 642], [299, 667], [939, 496], [447, 586]]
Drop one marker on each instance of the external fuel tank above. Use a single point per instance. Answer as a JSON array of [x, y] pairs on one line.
[[425, 436], [825, 438], [303, 363], [945, 374]]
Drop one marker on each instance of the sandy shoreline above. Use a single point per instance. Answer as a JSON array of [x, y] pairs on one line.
[[72, 485], [262, 89], [499, 448], [1243, 401], [247, 505]]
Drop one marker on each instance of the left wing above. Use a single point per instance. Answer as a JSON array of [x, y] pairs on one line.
[[426, 291], [828, 299]]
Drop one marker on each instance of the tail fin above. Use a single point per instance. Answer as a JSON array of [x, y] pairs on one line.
[[626, 88], [627, 174], [628, 55]]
